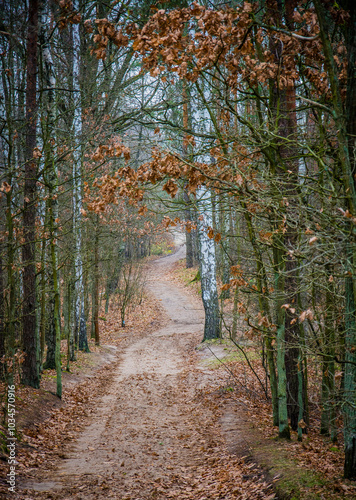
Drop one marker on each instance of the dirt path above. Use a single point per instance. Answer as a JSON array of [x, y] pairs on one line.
[[151, 436]]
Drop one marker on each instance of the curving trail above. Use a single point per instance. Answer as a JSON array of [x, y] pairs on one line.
[[150, 436], [134, 422]]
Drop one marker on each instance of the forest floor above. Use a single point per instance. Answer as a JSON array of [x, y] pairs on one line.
[[149, 416]]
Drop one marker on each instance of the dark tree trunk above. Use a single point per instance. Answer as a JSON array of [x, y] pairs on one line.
[[95, 304], [286, 168], [289, 125], [288, 128], [292, 331], [350, 39], [350, 383], [346, 123], [188, 233], [350, 337], [189, 261], [50, 336], [83, 340], [30, 371]]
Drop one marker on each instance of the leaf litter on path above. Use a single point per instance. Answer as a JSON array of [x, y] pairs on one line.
[[143, 428]]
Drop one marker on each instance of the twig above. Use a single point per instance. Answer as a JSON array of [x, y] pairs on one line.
[[232, 374], [248, 361]]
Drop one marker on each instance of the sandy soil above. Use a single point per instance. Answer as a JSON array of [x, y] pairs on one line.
[[151, 435]]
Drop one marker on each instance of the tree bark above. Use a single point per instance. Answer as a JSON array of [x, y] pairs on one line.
[[346, 128], [51, 176], [208, 266], [50, 331], [190, 261], [328, 414], [188, 233], [80, 320], [30, 368], [95, 295], [350, 339], [43, 298], [285, 170]]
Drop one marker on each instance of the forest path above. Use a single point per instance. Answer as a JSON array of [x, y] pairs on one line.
[[150, 434], [131, 435]]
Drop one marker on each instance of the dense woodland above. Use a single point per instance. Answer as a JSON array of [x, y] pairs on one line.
[[234, 121]]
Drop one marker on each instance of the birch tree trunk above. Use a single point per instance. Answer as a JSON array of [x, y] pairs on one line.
[[208, 265], [80, 322], [202, 117]]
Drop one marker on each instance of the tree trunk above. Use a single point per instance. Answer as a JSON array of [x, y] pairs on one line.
[[283, 425], [30, 368], [50, 331], [95, 295], [71, 322], [346, 133], [262, 283], [9, 243], [80, 321], [350, 339], [208, 266], [43, 294], [350, 381], [57, 328], [188, 232], [11, 314], [328, 414], [285, 170], [224, 247], [190, 261], [54, 339]]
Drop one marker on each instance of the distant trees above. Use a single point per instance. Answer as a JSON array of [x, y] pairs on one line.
[[59, 105]]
